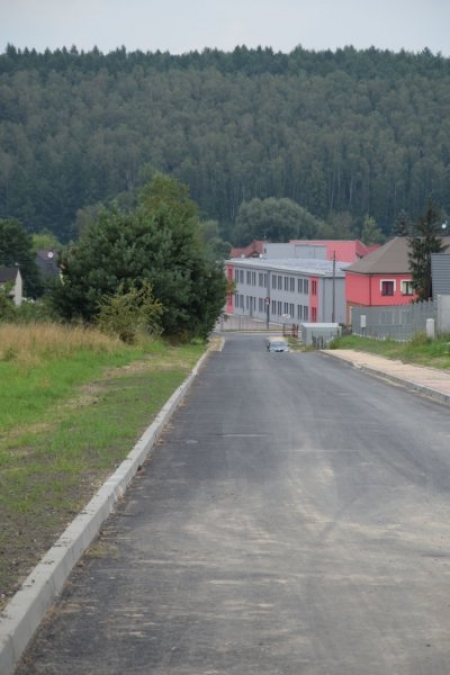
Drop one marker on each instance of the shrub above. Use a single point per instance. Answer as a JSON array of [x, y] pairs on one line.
[[130, 313]]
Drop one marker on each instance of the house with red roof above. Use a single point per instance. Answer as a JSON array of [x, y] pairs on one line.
[[253, 250]]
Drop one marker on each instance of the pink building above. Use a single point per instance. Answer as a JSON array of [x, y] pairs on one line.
[[381, 278]]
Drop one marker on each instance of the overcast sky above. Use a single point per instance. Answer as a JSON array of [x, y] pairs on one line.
[[180, 26]]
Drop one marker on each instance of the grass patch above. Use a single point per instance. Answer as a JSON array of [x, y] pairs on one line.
[[420, 349], [66, 422]]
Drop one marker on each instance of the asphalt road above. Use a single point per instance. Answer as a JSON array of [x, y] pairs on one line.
[[295, 519]]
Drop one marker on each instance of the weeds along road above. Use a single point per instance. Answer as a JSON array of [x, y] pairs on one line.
[[294, 519]]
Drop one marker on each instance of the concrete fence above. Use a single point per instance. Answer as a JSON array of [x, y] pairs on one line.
[[400, 322]]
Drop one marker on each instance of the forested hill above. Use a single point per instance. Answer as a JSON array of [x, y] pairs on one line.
[[365, 132]]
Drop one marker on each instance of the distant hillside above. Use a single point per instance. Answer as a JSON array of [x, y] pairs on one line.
[[361, 131]]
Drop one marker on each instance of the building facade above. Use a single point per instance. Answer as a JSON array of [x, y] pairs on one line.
[[287, 291], [440, 273]]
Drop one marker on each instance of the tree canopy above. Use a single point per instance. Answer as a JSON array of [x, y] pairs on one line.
[[160, 243], [276, 220], [359, 132]]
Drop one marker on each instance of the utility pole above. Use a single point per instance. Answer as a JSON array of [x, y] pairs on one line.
[[333, 307]]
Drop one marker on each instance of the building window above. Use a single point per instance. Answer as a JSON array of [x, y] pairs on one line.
[[260, 305], [407, 288], [253, 278], [306, 313], [291, 311], [236, 275], [274, 281], [249, 278], [280, 283], [279, 311], [274, 307], [286, 308], [313, 287], [299, 313], [299, 285], [387, 287], [306, 286], [286, 283], [292, 285], [313, 314]]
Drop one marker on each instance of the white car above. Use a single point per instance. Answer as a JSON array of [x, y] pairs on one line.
[[277, 344]]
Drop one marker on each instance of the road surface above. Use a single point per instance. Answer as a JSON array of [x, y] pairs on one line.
[[294, 519]]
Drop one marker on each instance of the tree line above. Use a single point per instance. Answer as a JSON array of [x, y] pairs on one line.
[[344, 135]]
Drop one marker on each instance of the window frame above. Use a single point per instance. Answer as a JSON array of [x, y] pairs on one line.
[[383, 286]]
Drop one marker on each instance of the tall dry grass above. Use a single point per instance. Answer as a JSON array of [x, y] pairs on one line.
[[29, 343]]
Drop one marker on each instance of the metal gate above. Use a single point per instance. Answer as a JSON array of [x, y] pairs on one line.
[[248, 324]]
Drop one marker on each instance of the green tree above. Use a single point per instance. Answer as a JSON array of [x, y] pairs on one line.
[[275, 220], [7, 308], [342, 225], [45, 239], [426, 240], [130, 314], [16, 250], [371, 233], [159, 242], [217, 248], [402, 224]]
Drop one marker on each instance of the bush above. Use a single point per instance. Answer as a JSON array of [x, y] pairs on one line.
[[128, 314]]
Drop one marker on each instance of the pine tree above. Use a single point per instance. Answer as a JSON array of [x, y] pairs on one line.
[[425, 240]]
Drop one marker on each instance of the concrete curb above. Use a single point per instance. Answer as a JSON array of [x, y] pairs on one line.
[[410, 385], [23, 614]]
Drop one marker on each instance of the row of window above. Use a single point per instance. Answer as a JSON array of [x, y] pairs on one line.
[[279, 281], [288, 284], [287, 310], [387, 287], [250, 278]]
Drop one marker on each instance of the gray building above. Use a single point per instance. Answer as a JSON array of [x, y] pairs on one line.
[[440, 273], [287, 291]]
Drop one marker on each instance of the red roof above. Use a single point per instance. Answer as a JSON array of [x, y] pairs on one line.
[[253, 250]]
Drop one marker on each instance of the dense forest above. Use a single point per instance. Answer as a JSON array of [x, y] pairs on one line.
[[364, 133]]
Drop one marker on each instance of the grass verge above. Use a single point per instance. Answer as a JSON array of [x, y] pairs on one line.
[[68, 417], [420, 349]]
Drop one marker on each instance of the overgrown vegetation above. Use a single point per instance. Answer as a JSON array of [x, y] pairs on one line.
[[72, 403], [420, 349]]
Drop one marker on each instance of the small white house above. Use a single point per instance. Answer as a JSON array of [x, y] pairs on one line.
[[10, 276]]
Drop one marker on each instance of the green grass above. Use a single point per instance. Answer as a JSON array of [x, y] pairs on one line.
[[420, 349], [66, 422]]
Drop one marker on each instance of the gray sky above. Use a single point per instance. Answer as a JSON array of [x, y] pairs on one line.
[[180, 26]]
